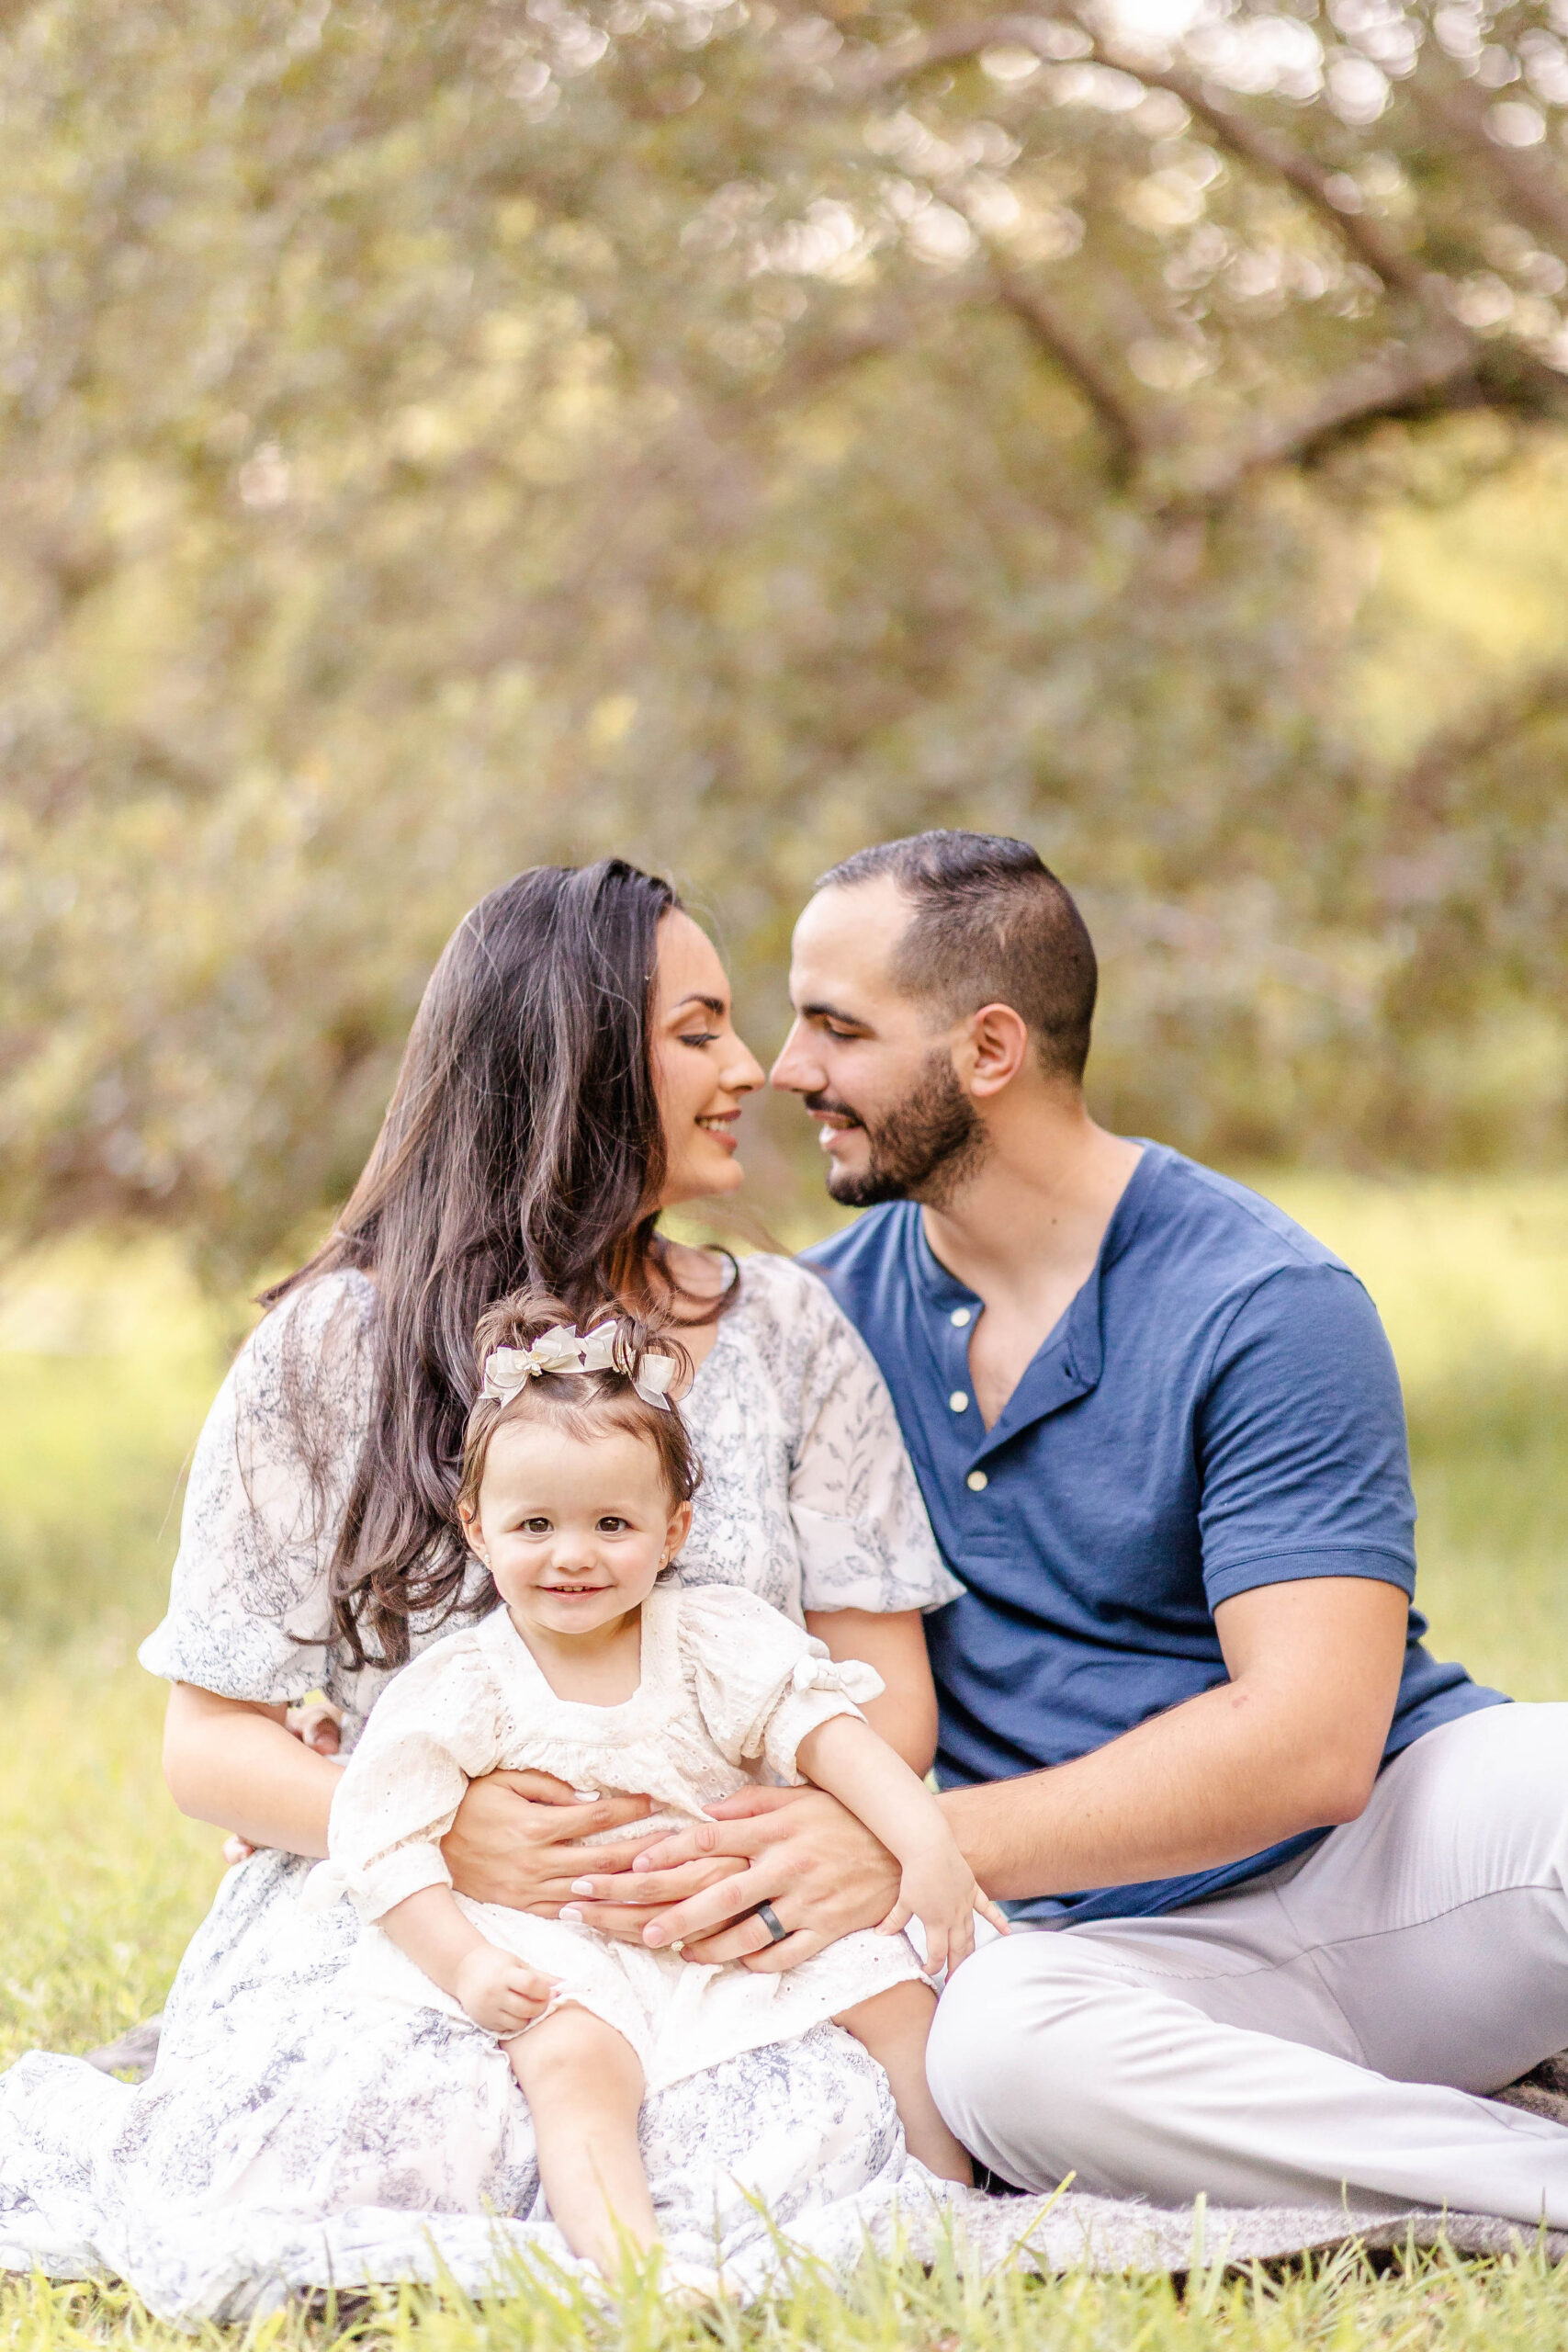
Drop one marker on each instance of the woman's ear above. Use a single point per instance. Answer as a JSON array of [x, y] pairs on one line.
[[472, 1533]]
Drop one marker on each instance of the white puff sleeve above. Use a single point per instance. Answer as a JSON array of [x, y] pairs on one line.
[[760, 1681], [434, 1728], [866, 1541], [248, 1613]]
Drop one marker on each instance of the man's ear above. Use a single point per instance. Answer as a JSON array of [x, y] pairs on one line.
[[994, 1050]]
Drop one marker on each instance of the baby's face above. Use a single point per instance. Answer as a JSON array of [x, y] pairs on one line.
[[574, 1533]]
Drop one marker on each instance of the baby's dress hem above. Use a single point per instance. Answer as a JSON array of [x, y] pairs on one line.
[[682, 2017]]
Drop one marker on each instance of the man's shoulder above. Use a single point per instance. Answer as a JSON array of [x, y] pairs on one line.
[[862, 1262], [1202, 1235], [1199, 1219]]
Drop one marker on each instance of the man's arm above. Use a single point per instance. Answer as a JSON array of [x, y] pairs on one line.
[[1292, 1741]]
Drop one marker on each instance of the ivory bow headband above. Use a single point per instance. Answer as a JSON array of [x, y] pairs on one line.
[[560, 1348]]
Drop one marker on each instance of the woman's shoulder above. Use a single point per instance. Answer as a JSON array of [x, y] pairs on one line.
[[317, 1331], [783, 1292], [344, 1298]]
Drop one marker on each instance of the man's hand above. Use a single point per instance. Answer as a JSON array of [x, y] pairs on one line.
[[517, 1840], [801, 1850]]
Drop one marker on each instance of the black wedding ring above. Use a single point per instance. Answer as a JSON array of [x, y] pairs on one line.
[[769, 1919]]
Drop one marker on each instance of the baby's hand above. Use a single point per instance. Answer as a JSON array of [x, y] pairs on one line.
[[499, 1992], [938, 1888]]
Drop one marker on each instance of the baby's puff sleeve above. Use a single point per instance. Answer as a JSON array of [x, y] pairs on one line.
[[761, 1683], [435, 1727]]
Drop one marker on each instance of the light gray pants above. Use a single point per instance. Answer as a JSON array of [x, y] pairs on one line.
[[1324, 2029]]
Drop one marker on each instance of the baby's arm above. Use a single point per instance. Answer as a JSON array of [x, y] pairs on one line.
[[845, 1757], [496, 1990], [904, 1713]]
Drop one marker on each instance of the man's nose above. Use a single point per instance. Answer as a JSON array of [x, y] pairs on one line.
[[798, 1069]]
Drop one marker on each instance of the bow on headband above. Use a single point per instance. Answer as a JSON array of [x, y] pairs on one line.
[[560, 1348]]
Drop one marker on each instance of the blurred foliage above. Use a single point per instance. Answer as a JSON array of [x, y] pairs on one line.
[[443, 436], [109, 1353]]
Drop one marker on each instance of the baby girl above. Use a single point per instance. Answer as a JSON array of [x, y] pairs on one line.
[[576, 1490]]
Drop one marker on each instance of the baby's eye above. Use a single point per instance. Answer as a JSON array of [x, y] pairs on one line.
[[535, 1527], [611, 1525]]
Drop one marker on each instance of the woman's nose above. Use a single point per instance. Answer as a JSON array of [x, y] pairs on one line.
[[743, 1072]]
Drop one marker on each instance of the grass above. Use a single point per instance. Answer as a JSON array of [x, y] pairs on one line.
[[1432, 2303], [106, 1361]]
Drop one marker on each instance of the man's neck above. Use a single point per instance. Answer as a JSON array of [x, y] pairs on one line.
[[1024, 1231]]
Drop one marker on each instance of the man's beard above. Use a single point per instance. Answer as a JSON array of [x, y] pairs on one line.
[[922, 1150]]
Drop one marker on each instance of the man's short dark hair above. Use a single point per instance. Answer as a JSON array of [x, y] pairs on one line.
[[991, 925]]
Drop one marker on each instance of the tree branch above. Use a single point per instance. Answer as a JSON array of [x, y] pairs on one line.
[[891, 329], [1129, 437], [1521, 175], [1397, 383], [1422, 790], [1252, 141]]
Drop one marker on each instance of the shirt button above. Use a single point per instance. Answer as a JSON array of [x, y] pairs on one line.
[[959, 1316], [976, 1482], [959, 1402]]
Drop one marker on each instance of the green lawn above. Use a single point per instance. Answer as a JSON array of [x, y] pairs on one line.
[[107, 1360]]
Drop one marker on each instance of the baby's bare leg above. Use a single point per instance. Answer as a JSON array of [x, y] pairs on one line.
[[583, 2082], [894, 2025]]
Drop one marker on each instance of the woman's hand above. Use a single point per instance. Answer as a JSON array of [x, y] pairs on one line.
[[799, 1849], [517, 1840]]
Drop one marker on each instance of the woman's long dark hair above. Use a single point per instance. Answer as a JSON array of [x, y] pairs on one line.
[[523, 1149]]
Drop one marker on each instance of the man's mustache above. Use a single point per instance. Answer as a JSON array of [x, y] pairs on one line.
[[816, 1102]]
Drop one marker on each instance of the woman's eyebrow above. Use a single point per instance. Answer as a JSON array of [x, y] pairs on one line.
[[713, 1004]]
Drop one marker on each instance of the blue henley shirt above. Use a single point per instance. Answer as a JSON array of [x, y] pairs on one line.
[[1217, 1410]]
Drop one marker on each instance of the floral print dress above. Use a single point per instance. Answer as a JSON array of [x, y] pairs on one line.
[[297, 2132]]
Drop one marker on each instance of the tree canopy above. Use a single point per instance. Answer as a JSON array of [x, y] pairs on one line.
[[438, 435]]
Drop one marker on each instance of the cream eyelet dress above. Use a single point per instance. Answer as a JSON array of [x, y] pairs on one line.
[[297, 2132], [728, 1688]]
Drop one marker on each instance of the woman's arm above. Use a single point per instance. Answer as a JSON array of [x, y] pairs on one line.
[[904, 1715], [230, 1761], [516, 1840]]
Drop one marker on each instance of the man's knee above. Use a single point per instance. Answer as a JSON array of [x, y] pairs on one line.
[[972, 2025], [1024, 2038]]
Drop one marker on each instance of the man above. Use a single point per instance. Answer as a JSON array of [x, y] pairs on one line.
[[1292, 1891]]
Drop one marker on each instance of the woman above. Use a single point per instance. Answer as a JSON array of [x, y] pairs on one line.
[[573, 1072]]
